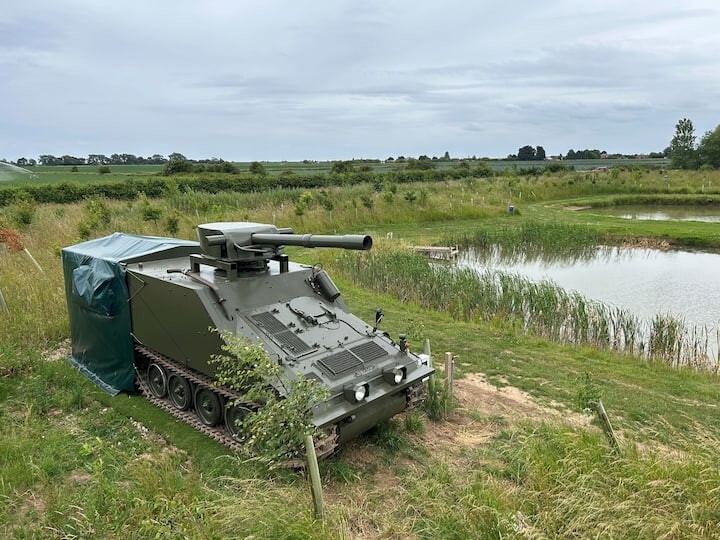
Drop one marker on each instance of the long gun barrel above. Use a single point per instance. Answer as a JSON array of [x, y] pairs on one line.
[[346, 241], [251, 245]]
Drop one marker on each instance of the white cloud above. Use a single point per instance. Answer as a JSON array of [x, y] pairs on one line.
[[327, 80]]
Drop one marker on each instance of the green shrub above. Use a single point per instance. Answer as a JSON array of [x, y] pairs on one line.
[[258, 168], [22, 211], [588, 393], [177, 166], [276, 430]]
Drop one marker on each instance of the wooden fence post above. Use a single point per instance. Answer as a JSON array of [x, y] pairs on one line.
[[607, 427], [315, 483], [449, 378], [426, 349], [3, 304], [33, 260]]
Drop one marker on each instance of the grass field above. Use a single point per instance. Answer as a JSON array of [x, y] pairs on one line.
[[90, 173], [516, 458]]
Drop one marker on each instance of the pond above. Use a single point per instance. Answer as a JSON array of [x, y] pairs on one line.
[[707, 213], [645, 282]]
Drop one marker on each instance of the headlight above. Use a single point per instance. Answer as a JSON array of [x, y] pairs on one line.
[[357, 392], [394, 375]]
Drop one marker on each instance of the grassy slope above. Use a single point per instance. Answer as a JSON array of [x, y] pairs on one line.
[[72, 456], [77, 463]]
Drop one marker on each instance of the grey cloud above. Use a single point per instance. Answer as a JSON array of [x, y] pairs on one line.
[[281, 80]]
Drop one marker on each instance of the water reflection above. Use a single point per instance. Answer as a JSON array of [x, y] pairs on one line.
[[646, 282], [509, 257], [707, 213]]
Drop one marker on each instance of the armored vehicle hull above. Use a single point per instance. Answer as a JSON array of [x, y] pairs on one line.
[[177, 295]]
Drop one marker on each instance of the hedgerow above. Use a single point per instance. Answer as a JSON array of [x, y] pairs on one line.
[[156, 186]]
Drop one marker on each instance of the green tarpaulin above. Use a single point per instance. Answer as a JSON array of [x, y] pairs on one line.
[[98, 303]]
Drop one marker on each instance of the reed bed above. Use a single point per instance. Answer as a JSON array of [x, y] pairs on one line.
[[539, 308], [529, 236]]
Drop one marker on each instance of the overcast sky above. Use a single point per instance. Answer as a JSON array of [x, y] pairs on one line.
[[292, 80]]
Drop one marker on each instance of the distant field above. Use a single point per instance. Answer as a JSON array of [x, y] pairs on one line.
[[90, 173], [84, 174]]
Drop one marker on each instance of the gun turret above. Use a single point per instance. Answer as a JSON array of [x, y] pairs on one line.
[[245, 246]]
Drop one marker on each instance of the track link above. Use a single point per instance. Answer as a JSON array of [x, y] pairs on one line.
[[416, 395], [324, 445]]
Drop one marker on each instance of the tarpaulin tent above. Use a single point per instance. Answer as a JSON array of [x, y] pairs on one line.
[[98, 302]]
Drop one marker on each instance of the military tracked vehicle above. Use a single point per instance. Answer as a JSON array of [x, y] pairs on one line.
[[144, 314]]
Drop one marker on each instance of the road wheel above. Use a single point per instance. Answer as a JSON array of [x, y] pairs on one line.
[[208, 407], [179, 392], [234, 416], [157, 380]]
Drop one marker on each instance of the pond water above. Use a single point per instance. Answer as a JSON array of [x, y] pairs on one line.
[[645, 282], [708, 213]]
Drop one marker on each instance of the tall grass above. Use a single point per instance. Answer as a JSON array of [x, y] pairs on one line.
[[32, 286], [539, 308], [574, 488]]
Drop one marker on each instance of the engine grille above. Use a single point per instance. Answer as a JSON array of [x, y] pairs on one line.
[[367, 352], [349, 359], [340, 362], [274, 328]]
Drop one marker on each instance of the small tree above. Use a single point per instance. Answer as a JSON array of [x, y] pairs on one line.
[[306, 199], [151, 213], [258, 168], [303, 204], [148, 211], [329, 205], [96, 215], [367, 201], [342, 167], [526, 153], [300, 209], [421, 164], [709, 149], [275, 430], [22, 210], [483, 170], [172, 224], [682, 147], [177, 164]]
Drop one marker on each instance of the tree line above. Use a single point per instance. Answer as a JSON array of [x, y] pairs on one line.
[[113, 159], [686, 153], [528, 153]]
